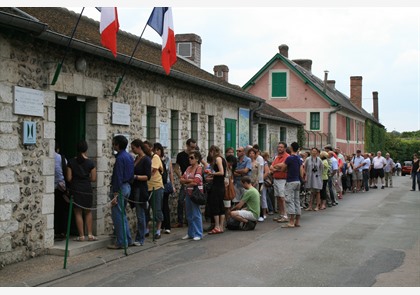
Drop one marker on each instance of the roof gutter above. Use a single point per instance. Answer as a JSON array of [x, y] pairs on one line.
[[24, 24], [279, 119]]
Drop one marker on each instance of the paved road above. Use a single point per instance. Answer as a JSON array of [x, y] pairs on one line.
[[370, 239]]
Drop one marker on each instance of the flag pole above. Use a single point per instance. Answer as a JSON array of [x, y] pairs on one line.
[[131, 57], [58, 70]]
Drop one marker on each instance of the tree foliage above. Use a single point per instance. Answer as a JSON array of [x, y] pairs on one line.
[[402, 147]]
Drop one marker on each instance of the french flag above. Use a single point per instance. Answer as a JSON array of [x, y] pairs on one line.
[[108, 28], [161, 21]]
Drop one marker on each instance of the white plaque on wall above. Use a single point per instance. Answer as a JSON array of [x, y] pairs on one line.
[[28, 101], [120, 113]]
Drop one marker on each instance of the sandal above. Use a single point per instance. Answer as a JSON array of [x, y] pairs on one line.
[[92, 238], [79, 239], [215, 231]]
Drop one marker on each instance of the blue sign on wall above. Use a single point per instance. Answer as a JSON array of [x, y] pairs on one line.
[[29, 132]]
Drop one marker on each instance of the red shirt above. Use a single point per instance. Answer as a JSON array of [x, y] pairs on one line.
[[280, 159]]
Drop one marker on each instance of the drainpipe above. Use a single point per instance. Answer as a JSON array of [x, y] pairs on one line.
[[329, 122], [251, 120]]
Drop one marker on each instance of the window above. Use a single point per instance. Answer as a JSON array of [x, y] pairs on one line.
[[184, 49], [174, 133], [283, 133], [151, 124], [194, 126], [211, 131], [219, 74], [348, 135], [315, 121], [278, 84], [262, 135]]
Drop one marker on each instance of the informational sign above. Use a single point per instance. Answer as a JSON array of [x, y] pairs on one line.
[[164, 135], [28, 101], [121, 113], [29, 132]]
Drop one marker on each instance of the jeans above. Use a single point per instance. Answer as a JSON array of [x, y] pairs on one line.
[[121, 223], [194, 218], [415, 177], [365, 179], [141, 219], [156, 204], [332, 191], [181, 205]]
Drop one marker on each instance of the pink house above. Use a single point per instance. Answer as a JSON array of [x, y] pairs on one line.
[[330, 117]]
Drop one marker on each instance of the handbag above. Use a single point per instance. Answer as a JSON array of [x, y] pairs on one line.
[[268, 181], [230, 190], [168, 188], [198, 197]]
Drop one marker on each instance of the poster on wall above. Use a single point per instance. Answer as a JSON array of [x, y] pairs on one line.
[[274, 141], [243, 127], [164, 135]]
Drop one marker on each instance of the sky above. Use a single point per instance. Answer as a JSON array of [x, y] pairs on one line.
[[378, 40]]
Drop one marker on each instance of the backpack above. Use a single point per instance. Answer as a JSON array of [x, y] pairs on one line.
[[233, 224]]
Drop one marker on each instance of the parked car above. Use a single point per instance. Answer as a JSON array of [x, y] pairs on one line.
[[406, 168]]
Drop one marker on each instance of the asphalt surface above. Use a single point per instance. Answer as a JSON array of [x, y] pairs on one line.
[[391, 218]]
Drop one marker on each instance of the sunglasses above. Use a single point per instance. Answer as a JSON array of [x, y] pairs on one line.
[[191, 158]]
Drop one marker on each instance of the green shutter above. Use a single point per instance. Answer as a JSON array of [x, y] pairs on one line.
[[279, 84], [315, 121], [230, 133]]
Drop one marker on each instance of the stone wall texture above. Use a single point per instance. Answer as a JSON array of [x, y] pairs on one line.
[[27, 172]]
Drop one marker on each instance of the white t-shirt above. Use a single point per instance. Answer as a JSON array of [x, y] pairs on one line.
[[260, 161], [378, 162]]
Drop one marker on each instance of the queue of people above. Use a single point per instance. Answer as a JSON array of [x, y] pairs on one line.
[[291, 181]]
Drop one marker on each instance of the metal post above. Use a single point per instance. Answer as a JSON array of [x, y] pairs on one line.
[[68, 232]]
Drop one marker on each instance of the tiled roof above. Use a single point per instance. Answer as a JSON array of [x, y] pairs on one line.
[[62, 21]]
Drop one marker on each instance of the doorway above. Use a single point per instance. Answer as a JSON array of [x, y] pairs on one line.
[[70, 128]]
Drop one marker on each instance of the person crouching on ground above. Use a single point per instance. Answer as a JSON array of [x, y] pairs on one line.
[[248, 208]]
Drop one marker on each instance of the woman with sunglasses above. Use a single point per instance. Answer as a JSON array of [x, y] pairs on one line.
[[193, 177]]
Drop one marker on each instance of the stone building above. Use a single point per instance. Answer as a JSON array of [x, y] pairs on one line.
[[37, 114]]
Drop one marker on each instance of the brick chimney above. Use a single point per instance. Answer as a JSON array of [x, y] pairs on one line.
[[331, 84], [221, 71], [304, 63], [284, 50], [189, 46], [375, 105], [356, 91]]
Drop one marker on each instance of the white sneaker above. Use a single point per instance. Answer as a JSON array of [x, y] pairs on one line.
[[186, 237], [265, 216], [167, 231], [196, 238], [260, 219], [136, 243]]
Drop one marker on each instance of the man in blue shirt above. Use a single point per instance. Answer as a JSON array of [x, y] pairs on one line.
[[122, 175], [293, 166], [243, 168]]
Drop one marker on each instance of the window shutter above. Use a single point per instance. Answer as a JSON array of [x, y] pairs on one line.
[[279, 86]]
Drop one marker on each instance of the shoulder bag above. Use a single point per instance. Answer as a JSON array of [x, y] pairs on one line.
[[230, 190], [197, 196]]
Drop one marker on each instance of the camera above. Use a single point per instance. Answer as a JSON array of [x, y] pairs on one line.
[[315, 169]]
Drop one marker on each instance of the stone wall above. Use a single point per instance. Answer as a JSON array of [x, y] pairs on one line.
[[27, 172]]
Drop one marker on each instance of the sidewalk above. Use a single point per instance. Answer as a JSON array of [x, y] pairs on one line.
[[86, 255], [39, 270]]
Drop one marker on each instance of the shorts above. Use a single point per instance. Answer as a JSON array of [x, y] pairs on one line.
[[314, 190], [247, 215], [227, 203], [378, 172], [357, 175], [279, 187]]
